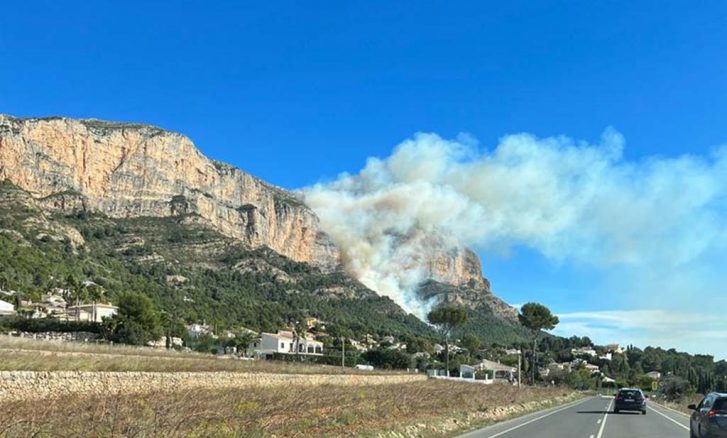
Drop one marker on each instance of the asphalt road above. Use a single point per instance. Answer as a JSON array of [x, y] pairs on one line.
[[591, 418]]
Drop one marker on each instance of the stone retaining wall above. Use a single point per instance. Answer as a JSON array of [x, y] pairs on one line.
[[20, 385]]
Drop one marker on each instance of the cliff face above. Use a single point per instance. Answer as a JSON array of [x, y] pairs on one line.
[[130, 170], [126, 170], [459, 267]]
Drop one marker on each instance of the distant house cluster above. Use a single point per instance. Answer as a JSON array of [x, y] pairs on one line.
[[54, 305]]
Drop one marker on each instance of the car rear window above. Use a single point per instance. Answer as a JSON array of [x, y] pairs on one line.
[[629, 394], [720, 404]]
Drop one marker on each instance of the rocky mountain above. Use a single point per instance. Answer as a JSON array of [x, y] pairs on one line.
[[124, 171], [190, 270]]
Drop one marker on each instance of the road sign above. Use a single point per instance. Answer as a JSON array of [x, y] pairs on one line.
[[654, 385]]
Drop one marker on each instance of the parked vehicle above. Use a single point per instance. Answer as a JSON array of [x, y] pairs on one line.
[[709, 418], [630, 399]]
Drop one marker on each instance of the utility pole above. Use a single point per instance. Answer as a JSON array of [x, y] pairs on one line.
[[519, 366], [343, 352]]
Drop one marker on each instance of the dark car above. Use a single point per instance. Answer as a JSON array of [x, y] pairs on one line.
[[709, 418], [630, 399]]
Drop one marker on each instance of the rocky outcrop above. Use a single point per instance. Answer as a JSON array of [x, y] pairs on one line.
[[131, 170], [459, 266]]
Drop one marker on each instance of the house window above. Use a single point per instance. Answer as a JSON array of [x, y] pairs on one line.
[[282, 345], [301, 348], [319, 349], [311, 349]]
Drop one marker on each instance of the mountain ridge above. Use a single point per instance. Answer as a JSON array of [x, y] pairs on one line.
[[128, 170]]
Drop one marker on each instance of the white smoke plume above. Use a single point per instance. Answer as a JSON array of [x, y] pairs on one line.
[[568, 200]]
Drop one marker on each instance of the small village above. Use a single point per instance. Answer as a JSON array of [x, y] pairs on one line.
[[308, 341]]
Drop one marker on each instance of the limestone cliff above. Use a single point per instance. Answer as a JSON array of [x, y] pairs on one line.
[[459, 267], [126, 170], [131, 170]]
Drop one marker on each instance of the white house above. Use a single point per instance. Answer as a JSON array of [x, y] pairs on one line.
[[284, 342], [196, 330], [654, 375], [606, 356], [6, 309], [467, 371], [91, 312], [500, 371], [615, 348], [592, 368], [584, 351]]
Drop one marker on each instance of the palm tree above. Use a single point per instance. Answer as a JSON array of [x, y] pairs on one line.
[[95, 292], [75, 293], [243, 339]]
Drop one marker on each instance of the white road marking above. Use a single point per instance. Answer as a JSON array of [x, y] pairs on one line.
[[591, 436], [673, 410], [670, 419], [539, 418], [599, 421], [605, 417]]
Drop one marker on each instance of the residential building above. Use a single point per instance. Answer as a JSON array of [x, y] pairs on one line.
[[654, 375], [312, 322], [584, 351], [594, 369], [389, 339], [284, 342], [467, 371], [500, 371], [615, 348], [91, 312], [6, 309], [197, 330], [358, 346]]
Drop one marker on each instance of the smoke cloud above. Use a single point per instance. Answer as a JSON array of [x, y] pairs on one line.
[[567, 199]]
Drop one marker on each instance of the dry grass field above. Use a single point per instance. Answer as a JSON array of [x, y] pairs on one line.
[[37, 355], [418, 409], [427, 408]]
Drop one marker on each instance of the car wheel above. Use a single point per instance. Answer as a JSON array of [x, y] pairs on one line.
[[643, 412], [615, 411]]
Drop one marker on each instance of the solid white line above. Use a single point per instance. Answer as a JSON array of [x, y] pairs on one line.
[[540, 418], [668, 408], [605, 417], [670, 419]]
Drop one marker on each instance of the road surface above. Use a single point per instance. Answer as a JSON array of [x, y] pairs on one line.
[[592, 417]]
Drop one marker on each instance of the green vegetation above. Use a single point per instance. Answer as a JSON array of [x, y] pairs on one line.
[[536, 317], [137, 323], [189, 271], [447, 318]]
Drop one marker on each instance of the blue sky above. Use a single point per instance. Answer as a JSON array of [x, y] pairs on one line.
[[298, 92]]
